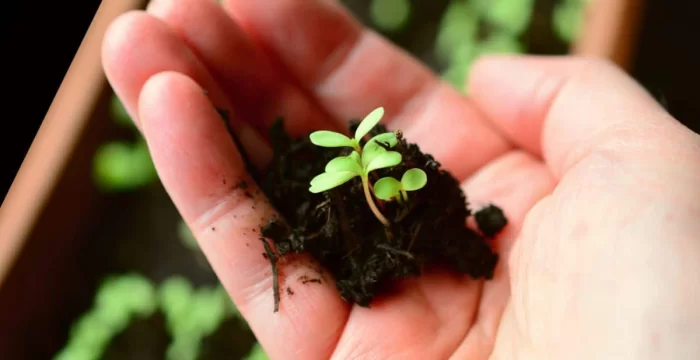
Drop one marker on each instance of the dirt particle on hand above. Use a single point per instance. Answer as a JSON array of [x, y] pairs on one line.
[[304, 279], [243, 185]]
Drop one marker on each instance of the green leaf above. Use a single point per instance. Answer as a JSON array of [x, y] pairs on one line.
[[186, 236], [373, 149], [112, 167], [387, 137], [510, 15], [414, 179], [327, 138], [257, 353], [457, 73], [369, 122], [370, 153], [390, 15], [183, 348], [345, 163], [327, 181], [500, 43], [119, 166], [567, 19], [385, 160], [387, 188], [175, 295], [458, 27]]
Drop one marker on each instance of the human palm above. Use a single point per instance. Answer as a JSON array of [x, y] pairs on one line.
[[572, 164]]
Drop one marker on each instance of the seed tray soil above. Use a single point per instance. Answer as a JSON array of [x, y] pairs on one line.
[[338, 229]]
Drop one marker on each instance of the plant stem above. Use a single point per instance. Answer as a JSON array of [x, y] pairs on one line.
[[370, 202]]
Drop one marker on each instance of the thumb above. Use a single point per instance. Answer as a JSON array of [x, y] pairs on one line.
[[565, 109]]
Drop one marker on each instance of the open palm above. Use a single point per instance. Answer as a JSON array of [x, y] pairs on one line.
[[312, 63]]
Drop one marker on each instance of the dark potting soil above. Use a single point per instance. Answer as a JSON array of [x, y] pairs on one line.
[[337, 227]]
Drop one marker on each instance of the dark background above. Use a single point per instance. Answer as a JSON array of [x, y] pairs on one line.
[[41, 38]]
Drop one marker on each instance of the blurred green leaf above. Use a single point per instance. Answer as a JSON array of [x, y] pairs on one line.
[[183, 348], [457, 30], [512, 16], [118, 166], [500, 43], [568, 18], [390, 15], [112, 166], [119, 114], [77, 352], [456, 74], [257, 353], [186, 236]]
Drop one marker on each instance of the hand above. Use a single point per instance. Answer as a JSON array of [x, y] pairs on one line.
[[600, 258]]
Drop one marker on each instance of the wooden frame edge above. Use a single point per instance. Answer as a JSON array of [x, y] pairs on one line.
[[610, 29], [57, 137]]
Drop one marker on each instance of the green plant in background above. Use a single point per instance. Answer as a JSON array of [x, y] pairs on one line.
[[372, 156], [460, 42], [567, 18], [118, 113], [190, 316], [390, 15], [186, 236], [118, 301], [120, 165]]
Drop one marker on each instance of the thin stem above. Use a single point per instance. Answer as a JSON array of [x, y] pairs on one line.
[[370, 202], [356, 146]]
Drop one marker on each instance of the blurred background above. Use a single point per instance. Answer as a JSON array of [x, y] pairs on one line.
[[95, 262]]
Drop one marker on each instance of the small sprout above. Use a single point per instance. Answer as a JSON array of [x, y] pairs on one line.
[[327, 138], [389, 188], [374, 155], [344, 168]]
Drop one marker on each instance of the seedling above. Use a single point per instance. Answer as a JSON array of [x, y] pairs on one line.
[[363, 160], [389, 189], [365, 257]]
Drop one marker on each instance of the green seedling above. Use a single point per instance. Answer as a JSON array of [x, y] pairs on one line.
[[374, 155], [389, 189], [329, 139]]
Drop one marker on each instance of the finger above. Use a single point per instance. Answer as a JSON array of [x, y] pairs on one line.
[[565, 109], [202, 172], [255, 86], [425, 319], [351, 70], [137, 46], [515, 182]]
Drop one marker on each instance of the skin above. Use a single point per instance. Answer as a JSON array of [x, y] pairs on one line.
[[600, 258]]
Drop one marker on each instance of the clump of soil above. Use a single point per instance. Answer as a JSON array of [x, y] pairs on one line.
[[338, 228]]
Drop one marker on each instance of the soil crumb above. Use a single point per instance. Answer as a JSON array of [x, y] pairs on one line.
[[491, 220]]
